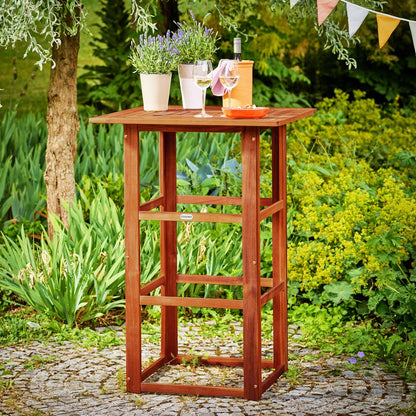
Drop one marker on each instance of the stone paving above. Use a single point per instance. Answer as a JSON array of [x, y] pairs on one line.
[[66, 379]]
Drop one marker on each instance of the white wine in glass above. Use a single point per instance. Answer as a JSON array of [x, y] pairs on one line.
[[229, 75], [202, 75]]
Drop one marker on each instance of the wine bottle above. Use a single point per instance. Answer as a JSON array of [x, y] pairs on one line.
[[237, 49]]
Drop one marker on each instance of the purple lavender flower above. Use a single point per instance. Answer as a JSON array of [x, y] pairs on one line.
[[360, 354], [353, 360]]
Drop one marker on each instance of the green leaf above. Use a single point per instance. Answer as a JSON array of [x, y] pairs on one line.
[[339, 291]]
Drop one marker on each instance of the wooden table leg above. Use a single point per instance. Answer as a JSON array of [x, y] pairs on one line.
[[168, 243], [279, 239], [250, 146], [132, 242]]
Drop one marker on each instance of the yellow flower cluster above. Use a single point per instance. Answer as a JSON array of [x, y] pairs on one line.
[[353, 212]]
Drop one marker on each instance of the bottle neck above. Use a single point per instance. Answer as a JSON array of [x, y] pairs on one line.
[[237, 49]]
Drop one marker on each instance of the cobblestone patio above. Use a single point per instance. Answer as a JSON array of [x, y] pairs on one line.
[[66, 379]]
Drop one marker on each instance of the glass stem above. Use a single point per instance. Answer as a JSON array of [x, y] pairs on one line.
[[229, 98], [203, 101]]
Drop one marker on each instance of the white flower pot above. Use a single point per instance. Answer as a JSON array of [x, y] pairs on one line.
[[191, 94], [155, 91]]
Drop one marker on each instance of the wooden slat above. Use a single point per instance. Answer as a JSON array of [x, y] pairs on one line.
[[213, 280], [216, 200], [266, 282], [266, 297], [152, 204], [190, 216], [152, 368], [219, 280], [191, 302], [270, 210], [190, 389], [224, 361], [154, 284], [214, 360], [266, 383], [208, 200]]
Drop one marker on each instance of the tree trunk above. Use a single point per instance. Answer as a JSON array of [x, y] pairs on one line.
[[63, 125], [170, 14]]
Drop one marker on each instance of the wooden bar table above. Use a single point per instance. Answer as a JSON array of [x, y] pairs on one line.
[[257, 291]]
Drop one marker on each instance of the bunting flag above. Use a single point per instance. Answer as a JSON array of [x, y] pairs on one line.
[[356, 16], [386, 25], [413, 30], [293, 3], [325, 8]]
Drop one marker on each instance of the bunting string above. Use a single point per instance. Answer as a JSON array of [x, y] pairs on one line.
[[373, 11], [356, 15]]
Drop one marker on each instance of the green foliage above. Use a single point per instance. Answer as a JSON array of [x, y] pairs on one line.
[[276, 82], [25, 325], [77, 277], [270, 80], [21, 20], [352, 191], [110, 85], [40, 25], [100, 151], [22, 149], [332, 331], [336, 37]]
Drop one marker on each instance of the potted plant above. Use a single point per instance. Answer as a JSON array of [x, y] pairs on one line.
[[194, 42], [154, 58]]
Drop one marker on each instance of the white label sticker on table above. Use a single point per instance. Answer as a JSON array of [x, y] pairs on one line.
[[187, 217]]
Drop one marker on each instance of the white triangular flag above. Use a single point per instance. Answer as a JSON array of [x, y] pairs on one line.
[[356, 16], [293, 3], [412, 25]]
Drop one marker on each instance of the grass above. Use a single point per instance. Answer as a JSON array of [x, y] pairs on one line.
[[24, 325], [23, 86]]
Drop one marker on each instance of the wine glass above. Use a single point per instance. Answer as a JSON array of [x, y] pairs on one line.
[[202, 75], [229, 75]]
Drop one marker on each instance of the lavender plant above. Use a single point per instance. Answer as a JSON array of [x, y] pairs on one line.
[[154, 54], [195, 41]]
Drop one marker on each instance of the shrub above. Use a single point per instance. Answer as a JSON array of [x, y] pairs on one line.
[[22, 149], [78, 276], [352, 208]]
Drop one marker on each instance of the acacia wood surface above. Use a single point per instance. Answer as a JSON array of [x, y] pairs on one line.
[[178, 119]]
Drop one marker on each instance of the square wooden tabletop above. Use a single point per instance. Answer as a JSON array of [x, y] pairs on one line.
[[185, 119]]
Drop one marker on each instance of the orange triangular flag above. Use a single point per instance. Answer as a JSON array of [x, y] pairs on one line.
[[325, 8], [386, 26]]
